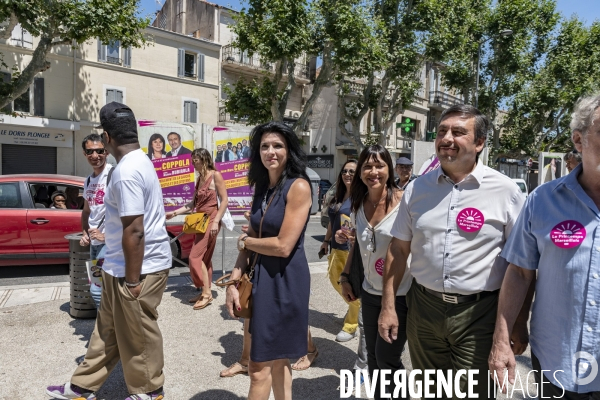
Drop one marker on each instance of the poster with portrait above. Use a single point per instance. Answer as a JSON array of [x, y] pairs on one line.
[[551, 167], [231, 154], [169, 146]]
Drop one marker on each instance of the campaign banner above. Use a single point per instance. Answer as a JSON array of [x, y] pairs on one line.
[[169, 147], [231, 155]]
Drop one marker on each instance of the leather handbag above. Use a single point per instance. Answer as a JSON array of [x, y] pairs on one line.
[[244, 284], [196, 223], [356, 276]]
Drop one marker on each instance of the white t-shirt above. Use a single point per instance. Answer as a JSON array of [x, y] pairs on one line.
[[93, 192], [134, 189]]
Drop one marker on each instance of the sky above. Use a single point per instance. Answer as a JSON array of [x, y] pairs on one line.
[[587, 10]]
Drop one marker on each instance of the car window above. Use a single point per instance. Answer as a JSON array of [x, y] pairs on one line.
[[10, 196], [522, 187], [41, 193]]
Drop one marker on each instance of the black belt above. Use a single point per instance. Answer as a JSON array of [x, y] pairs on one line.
[[457, 298]]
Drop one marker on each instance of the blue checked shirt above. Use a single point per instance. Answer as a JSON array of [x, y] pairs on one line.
[[565, 318]]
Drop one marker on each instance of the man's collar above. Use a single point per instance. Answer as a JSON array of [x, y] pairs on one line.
[[477, 173], [570, 179]]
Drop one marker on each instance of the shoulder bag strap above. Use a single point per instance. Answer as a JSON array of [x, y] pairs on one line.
[[251, 273]]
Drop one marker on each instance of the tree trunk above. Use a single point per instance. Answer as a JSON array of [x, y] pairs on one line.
[[37, 64]]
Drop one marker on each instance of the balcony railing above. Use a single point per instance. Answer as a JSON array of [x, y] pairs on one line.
[[356, 89], [444, 99], [233, 55], [113, 60], [224, 116]]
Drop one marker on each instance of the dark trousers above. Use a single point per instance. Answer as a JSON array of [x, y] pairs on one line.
[[446, 336], [381, 354], [549, 390]]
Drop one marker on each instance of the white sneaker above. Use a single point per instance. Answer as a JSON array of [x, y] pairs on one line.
[[344, 336]]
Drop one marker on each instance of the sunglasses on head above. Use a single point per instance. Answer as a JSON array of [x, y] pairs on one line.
[[348, 171], [89, 152]]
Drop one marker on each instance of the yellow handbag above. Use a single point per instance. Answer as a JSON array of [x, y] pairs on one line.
[[196, 223]]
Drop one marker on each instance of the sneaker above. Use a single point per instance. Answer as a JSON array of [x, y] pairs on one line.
[[344, 336], [158, 394], [67, 391]]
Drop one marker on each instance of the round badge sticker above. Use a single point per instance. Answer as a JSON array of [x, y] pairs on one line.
[[568, 234], [379, 266], [470, 219]]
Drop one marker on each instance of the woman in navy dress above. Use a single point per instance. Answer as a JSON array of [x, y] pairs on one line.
[[281, 282]]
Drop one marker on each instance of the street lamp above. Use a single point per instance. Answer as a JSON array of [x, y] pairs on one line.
[[504, 32]]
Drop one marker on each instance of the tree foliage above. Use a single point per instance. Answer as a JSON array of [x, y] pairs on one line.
[[66, 22], [539, 115]]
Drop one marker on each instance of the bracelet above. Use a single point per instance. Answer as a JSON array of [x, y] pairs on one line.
[[343, 281], [345, 275], [138, 283]]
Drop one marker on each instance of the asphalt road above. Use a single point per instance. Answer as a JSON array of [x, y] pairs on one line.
[[36, 274]]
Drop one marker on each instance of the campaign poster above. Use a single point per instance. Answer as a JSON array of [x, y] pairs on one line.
[[232, 159], [169, 146], [550, 167]]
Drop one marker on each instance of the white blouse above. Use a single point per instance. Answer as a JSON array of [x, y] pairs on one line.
[[374, 261]]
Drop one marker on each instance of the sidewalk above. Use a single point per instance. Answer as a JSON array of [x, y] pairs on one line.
[[39, 343]]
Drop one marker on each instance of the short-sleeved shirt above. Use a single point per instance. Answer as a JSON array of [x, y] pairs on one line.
[[94, 190], [445, 257], [336, 225], [558, 234], [134, 189]]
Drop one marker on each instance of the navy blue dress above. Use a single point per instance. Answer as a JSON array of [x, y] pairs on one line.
[[280, 291]]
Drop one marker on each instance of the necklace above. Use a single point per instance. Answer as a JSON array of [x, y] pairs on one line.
[[380, 200]]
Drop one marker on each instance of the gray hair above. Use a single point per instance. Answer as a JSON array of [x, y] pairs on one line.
[[583, 113], [572, 154], [482, 122]]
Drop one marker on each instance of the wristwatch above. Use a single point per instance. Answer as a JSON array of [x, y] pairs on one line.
[[242, 243]]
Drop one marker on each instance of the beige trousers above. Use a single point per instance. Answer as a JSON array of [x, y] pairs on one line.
[[126, 330]]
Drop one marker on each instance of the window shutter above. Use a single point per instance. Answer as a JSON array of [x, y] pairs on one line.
[[118, 96], [180, 62], [127, 57], [101, 51], [186, 111], [201, 67], [38, 97], [193, 112], [6, 80], [110, 95]]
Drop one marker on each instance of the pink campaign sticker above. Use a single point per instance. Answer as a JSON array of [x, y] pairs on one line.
[[379, 266], [568, 234], [470, 219]]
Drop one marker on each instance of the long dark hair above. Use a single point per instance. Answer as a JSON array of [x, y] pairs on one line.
[[340, 189], [358, 190], [152, 139], [295, 167]]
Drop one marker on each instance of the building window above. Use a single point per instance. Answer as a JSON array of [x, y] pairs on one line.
[[190, 111], [114, 95], [114, 53], [23, 103], [31, 102], [162, 20], [190, 65], [21, 38]]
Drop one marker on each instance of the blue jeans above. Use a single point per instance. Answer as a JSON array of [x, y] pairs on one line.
[[96, 252]]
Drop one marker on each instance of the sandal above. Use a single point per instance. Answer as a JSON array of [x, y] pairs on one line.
[[310, 357], [203, 302], [233, 370], [195, 299]]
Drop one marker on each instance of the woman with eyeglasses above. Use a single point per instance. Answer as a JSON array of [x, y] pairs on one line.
[[375, 201]]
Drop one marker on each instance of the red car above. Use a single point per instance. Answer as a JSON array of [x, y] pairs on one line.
[[31, 233]]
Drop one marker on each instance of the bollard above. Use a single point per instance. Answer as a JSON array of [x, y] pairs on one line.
[[81, 305]]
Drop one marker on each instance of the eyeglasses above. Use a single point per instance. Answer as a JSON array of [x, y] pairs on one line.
[[348, 172], [369, 235], [89, 152]]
